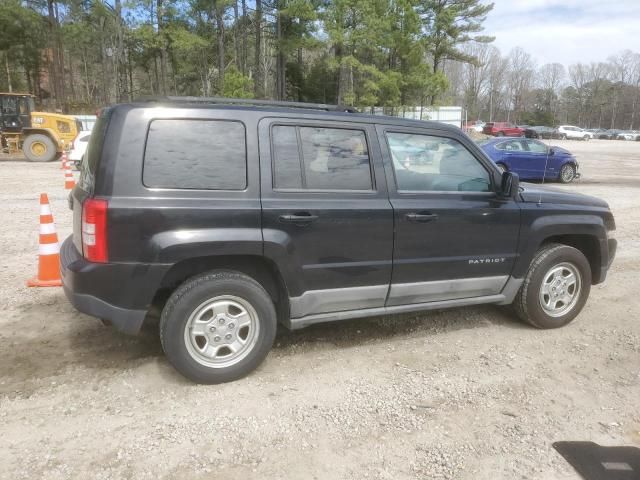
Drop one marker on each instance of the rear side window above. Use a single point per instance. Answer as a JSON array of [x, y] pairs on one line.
[[94, 151], [195, 154], [319, 158]]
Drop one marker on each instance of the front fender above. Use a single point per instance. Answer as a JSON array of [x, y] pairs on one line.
[[551, 225]]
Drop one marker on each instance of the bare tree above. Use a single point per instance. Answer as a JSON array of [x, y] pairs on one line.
[[498, 67], [550, 78], [520, 79], [635, 81], [620, 67], [476, 75]]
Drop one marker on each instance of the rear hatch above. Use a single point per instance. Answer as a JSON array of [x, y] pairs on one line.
[[88, 173]]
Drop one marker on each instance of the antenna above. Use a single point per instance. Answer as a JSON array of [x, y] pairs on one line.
[[546, 164]]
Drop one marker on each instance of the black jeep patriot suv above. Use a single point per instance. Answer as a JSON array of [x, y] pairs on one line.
[[231, 216]]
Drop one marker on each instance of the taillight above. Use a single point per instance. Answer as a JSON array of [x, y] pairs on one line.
[[94, 230]]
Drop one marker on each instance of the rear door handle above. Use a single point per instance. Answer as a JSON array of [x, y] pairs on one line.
[[302, 218], [421, 217]]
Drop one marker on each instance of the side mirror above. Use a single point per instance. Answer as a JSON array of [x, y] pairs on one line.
[[551, 151], [510, 185]]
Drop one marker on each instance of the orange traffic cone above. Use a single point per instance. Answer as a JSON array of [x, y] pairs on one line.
[[65, 159], [69, 181], [49, 250]]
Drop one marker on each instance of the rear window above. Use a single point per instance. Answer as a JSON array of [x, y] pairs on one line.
[[195, 154], [94, 151]]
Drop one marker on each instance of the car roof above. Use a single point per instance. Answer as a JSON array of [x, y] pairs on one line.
[[300, 110], [494, 140]]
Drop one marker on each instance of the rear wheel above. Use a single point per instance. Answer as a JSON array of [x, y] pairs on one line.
[[502, 167], [39, 148], [555, 288], [563, 136], [586, 138], [500, 134], [567, 173], [218, 327]]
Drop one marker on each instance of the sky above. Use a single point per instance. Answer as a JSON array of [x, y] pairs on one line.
[[565, 31]]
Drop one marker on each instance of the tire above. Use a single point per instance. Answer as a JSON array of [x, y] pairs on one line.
[[529, 300], [567, 173], [586, 138], [236, 298], [503, 168], [500, 134], [563, 136], [39, 148]]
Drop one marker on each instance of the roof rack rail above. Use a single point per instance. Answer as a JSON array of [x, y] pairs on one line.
[[249, 101]]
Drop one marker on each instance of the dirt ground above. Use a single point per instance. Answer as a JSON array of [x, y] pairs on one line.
[[460, 394]]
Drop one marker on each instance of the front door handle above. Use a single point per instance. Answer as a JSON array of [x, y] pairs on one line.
[[300, 218], [421, 217]]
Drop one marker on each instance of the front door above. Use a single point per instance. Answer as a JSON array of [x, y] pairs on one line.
[[326, 217], [455, 237]]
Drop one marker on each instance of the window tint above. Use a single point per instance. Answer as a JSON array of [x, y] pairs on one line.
[[200, 154], [426, 163], [332, 158]]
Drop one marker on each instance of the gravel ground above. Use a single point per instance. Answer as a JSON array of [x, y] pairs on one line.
[[458, 394]]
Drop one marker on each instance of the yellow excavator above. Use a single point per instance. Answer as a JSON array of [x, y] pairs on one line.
[[41, 136]]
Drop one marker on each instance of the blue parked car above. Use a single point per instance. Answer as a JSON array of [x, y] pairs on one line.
[[528, 158]]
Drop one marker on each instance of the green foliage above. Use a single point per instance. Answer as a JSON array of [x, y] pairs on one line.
[[237, 85], [361, 52], [538, 117]]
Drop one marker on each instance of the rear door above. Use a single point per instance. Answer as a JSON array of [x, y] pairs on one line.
[[454, 238], [326, 217]]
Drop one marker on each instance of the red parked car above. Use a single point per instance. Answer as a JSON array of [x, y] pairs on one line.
[[502, 129]]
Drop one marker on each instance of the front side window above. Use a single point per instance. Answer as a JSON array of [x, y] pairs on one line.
[[195, 154], [511, 146], [536, 147], [425, 163], [320, 158]]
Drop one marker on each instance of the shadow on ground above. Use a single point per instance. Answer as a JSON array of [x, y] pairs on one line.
[[26, 361]]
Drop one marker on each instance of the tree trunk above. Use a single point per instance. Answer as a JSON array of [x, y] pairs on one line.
[[118, 58], [236, 41], [6, 66], [244, 38], [342, 76], [219, 16], [257, 85], [280, 59], [62, 98], [162, 86], [54, 68]]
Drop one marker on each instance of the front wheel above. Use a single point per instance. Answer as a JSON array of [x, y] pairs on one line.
[[217, 327], [586, 138], [502, 167], [555, 288], [567, 173], [500, 134], [563, 136]]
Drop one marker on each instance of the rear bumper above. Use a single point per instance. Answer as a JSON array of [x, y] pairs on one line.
[[118, 292]]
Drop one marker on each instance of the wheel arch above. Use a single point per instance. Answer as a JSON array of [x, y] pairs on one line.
[[261, 269], [589, 245], [42, 131]]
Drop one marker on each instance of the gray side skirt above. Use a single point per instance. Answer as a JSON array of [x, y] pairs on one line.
[[360, 302]]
